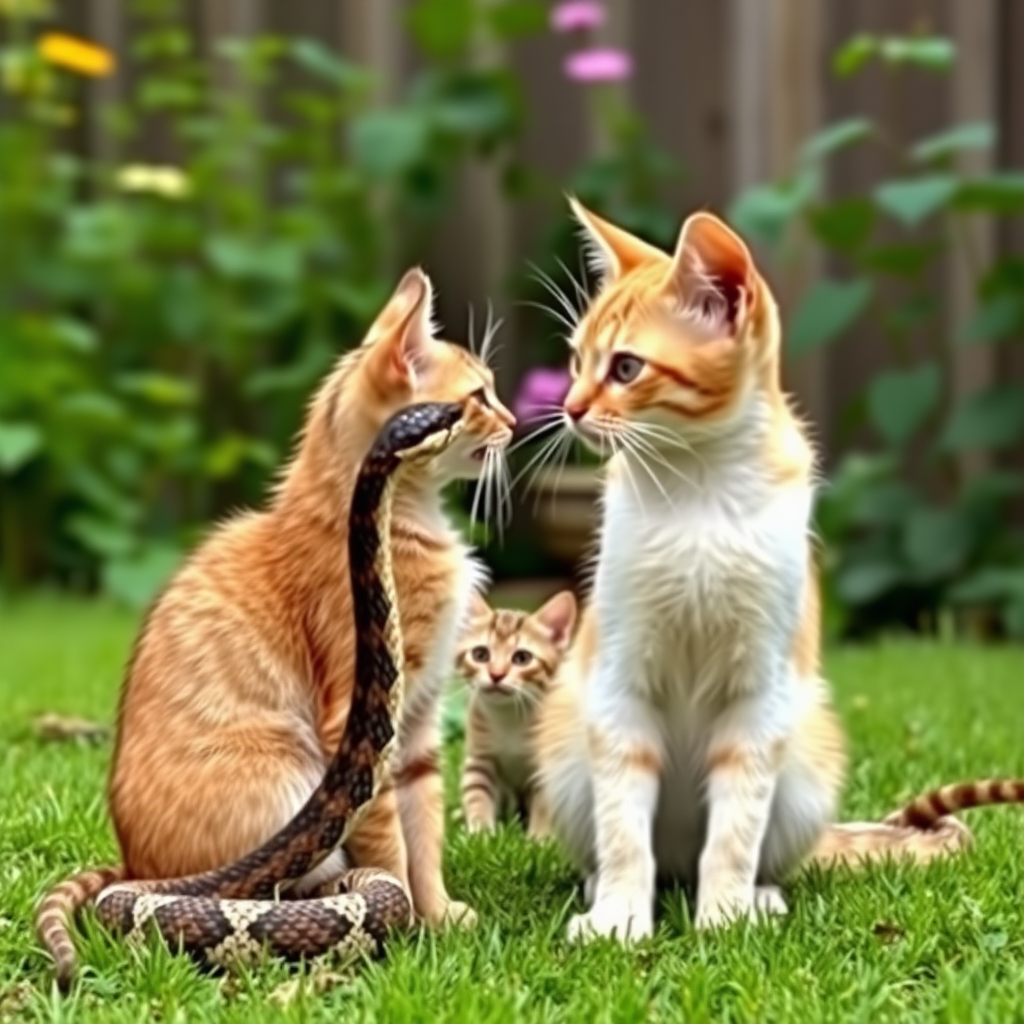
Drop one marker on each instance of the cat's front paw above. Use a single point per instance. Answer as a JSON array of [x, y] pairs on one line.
[[623, 918], [474, 826], [768, 900], [722, 910], [455, 914]]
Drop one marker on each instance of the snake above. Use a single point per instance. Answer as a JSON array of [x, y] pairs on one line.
[[242, 911]]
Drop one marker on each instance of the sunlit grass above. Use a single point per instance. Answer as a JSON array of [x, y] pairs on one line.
[[895, 944]]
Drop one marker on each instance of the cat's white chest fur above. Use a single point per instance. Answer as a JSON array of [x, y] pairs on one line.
[[698, 595], [699, 586]]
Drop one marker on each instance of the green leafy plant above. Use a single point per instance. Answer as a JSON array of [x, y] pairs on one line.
[[907, 535], [163, 324]]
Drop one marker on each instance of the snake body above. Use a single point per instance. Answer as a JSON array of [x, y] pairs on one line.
[[242, 910]]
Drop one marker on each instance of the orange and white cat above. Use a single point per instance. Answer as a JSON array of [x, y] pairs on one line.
[[509, 658], [239, 685], [691, 736]]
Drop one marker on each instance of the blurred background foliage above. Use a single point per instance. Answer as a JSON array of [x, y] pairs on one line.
[[162, 325]]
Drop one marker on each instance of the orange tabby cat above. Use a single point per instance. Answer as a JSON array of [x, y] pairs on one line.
[[239, 685], [509, 657], [691, 735]]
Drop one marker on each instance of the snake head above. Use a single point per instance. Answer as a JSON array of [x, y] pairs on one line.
[[420, 432]]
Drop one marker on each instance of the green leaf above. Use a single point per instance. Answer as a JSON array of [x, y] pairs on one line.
[[885, 503], [827, 310], [387, 143], [990, 585], [998, 317], [75, 334], [836, 136], [158, 388], [901, 400], [906, 259], [992, 419], [323, 62], [765, 211], [102, 537], [1001, 192], [136, 579], [863, 582], [19, 445], [442, 28], [934, 53], [854, 54], [513, 19], [844, 225], [936, 541], [914, 200], [975, 135]]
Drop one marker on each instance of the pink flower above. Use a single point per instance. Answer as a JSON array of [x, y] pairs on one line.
[[600, 64], [542, 390], [578, 14]]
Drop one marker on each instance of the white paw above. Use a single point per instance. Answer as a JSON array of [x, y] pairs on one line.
[[477, 826], [724, 910], [625, 919], [768, 899]]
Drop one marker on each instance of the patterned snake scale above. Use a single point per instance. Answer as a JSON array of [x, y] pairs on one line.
[[236, 913]]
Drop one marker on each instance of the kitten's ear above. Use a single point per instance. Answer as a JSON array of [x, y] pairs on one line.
[[558, 617], [611, 251], [401, 335], [713, 274], [479, 609]]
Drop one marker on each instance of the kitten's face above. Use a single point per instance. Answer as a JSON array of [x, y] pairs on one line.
[[672, 345], [401, 362], [507, 654]]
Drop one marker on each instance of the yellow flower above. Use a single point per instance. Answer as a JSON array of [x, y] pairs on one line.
[[76, 54], [168, 182]]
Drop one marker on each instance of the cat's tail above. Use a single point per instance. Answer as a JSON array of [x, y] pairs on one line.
[[57, 910], [922, 830]]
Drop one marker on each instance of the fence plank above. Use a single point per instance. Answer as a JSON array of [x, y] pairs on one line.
[[974, 98]]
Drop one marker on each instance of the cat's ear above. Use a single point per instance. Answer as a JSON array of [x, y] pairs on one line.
[[713, 275], [479, 609], [611, 251], [558, 617], [401, 335]]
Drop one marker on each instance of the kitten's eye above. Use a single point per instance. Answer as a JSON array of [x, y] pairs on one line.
[[521, 657], [480, 654], [625, 368], [575, 363]]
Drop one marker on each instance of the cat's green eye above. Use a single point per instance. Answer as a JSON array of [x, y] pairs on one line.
[[521, 657], [480, 654]]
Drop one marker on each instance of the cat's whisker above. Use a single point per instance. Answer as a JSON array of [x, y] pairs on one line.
[[631, 448], [645, 445], [616, 449], [491, 328], [543, 278], [578, 290], [548, 421], [557, 455], [555, 314], [540, 456]]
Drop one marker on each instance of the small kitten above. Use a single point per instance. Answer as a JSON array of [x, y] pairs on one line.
[[509, 658]]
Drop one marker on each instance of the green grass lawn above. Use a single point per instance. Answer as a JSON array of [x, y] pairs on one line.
[[897, 943]]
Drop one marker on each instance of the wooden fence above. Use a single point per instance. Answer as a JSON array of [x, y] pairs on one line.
[[729, 87]]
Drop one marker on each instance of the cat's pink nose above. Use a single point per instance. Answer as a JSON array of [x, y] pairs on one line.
[[496, 677]]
